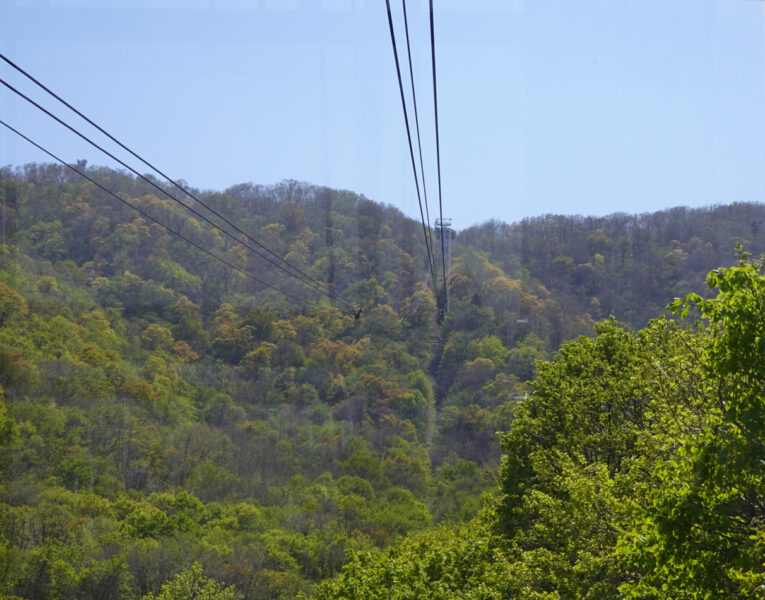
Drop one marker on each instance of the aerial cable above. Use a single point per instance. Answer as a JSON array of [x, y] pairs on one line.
[[149, 181], [173, 198], [151, 218], [438, 149], [411, 149], [416, 121], [157, 170], [428, 244]]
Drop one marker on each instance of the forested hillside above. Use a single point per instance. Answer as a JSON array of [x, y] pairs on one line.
[[634, 470], [625, 265], [166, 420]]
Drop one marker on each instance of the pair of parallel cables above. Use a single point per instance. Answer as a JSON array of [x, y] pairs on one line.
[[442, 300], [252, 244]]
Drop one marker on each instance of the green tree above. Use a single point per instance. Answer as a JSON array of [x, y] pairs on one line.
[[156, 337], [702, 535], [12, 305], [192, 585], [523, 358], [582, 448], [442, 564]]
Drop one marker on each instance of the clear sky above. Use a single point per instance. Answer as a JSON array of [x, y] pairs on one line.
[[573, 107]]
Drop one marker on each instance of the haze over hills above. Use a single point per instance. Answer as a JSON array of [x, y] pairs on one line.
[[161, 408]]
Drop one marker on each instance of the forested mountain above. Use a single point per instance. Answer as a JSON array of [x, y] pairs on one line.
[[622, 265], [167, 420]]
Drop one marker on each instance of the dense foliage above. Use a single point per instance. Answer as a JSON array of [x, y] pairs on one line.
[[634, 469], [623, 265], [172, 428]]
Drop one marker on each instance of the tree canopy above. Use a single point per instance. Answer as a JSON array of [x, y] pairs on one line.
[[169, 426]]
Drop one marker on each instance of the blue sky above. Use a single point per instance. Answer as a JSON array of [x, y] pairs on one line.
[[586, 107]]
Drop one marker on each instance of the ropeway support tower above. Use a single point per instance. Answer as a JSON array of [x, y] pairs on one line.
[[446, 236]]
